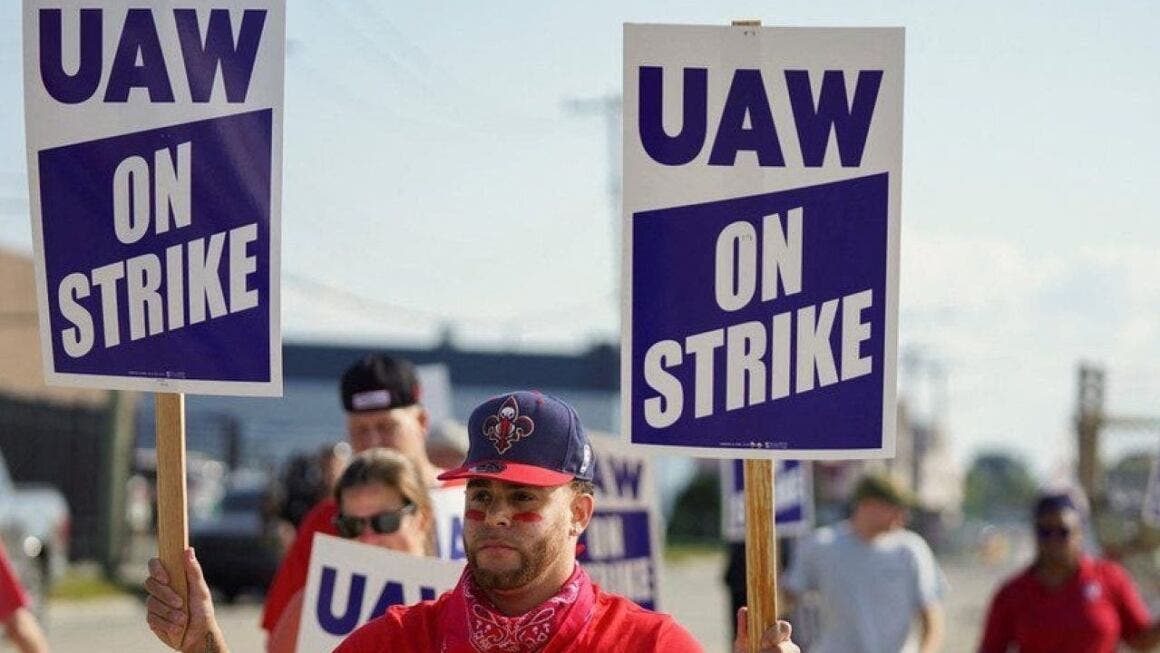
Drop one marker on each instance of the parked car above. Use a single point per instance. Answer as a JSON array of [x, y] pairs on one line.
[[34, 524], [238, 542]]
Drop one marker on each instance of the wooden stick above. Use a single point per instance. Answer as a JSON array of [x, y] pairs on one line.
[[172, 517], [760, 550]]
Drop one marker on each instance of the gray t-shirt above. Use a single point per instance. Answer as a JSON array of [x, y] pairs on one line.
[[870, 591]]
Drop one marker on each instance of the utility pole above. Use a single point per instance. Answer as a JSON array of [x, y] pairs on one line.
[[1090, 420], [1090, 415], [609, 108]]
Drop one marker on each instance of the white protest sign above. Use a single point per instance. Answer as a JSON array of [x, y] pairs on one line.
[[623, 543], [762, 182], [793, 499], [448, 503], [350, 583], [154, 136]]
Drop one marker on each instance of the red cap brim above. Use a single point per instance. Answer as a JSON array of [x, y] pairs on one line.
[[508, 473]]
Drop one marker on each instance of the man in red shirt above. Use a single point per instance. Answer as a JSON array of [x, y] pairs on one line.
[[529, 498], [1066, 601], [381, 397], [19, 624]]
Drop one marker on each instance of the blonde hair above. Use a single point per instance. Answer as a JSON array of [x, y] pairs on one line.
[[390, 469]]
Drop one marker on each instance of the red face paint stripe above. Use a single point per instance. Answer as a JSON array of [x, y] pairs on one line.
[[473, 515], [527, 517]]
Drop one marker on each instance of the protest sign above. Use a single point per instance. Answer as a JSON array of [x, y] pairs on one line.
[[793, 499], [622, 545], [448, 503], [154, 168], [761, 212], [350, 583]]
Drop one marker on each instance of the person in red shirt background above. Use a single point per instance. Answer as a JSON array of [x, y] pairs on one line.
[[381, 396], [19, 623], [1067, 601]]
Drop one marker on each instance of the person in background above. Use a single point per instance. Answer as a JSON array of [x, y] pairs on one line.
[[309, 479], [447, 444], [381, 396], [20, 625], [1067, 601], [382, 502], [872, 575]]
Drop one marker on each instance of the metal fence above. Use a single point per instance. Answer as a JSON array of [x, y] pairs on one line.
[[71, 448]]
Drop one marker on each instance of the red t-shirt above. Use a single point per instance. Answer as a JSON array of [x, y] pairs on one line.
[[12, 594], [291, 575], [617, 624], [1090, 613]]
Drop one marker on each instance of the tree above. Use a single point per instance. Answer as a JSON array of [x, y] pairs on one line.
[[999, 487]]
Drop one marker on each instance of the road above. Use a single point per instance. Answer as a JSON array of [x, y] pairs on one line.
[[118, 624]]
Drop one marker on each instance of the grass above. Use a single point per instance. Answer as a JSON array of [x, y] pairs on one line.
[[677, 552], [83, 583]]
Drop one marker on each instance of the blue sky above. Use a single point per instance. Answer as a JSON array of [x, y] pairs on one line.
[[433, 175]]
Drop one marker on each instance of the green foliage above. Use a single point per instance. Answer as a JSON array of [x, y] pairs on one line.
[[999, 487], [697, 515]]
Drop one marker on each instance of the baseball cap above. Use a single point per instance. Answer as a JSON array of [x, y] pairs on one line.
[[885, 488], [527, 438], [379, 382]]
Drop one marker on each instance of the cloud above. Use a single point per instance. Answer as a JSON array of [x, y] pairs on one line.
[[1010, 323]]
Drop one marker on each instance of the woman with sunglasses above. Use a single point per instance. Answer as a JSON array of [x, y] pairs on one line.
[[382, 501], [1067, 601]]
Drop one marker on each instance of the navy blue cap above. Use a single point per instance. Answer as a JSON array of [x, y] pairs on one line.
[[527, 438]]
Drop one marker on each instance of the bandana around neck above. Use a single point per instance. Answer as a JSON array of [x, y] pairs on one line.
[[474, 625]]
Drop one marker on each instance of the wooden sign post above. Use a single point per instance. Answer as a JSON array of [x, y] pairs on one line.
[[172, 515], [760, 550], [760, 532]]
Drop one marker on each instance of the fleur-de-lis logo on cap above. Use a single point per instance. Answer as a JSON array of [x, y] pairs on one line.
[[507, 426]]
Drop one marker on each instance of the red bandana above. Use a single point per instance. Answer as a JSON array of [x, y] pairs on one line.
[[473, 625]]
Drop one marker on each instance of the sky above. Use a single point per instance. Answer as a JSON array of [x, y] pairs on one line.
[[435, 177]]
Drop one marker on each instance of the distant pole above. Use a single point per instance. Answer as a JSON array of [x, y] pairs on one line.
[[608, 107], [1088, 420]]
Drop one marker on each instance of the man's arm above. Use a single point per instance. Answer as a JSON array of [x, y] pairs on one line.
[[24, 632], [932, 625]]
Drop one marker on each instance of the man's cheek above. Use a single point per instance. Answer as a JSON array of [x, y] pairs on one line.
[[528, 517], [473, 515]]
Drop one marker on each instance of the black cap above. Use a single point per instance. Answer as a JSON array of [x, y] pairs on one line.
[[379, 382]]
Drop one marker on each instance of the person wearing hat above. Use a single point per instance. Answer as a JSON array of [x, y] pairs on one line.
[[1067, 601], [873, 576], [529, 498], [381, 397]]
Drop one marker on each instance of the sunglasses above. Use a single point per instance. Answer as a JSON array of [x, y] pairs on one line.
[[1048, 532], [384, 523]]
